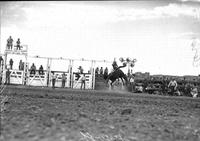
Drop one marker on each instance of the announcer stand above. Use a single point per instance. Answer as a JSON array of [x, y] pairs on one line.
[[17, 76]]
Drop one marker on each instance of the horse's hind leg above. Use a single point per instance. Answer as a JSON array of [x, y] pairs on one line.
[[111, 85]]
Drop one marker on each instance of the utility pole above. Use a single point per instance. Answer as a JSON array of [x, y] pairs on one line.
[[128, 61]]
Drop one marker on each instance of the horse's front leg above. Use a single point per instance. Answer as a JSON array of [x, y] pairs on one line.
[[122, 81], [107, 83]]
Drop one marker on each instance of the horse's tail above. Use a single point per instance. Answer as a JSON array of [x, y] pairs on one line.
[[120, 67]]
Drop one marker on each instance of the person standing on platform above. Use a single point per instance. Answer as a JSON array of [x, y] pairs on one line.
[[97, 71], [20, 65], [41, 70], [105, 75], [1, 61], [80, 70], [10, 43], [101, 71], [11, 64], [83, 79], [63, 80], [18, 44], [33, 69]]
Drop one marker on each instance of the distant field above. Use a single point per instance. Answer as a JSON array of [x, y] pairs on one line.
[[43, 114]]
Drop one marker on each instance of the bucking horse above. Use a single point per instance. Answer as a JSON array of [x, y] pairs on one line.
[[116, 74]]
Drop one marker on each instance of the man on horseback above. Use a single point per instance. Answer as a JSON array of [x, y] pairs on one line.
[[116, 73], [114, 64]]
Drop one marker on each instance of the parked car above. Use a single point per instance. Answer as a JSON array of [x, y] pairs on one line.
[[139, 87], [153, 88]]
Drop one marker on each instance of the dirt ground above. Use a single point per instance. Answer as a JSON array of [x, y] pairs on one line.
[[43, 114]]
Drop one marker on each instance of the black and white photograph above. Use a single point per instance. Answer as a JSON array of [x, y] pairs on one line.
[[100, 70]]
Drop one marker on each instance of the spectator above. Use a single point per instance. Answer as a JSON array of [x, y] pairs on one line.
[[97, 70], [80, 70], [105, 75], [8, 46], [20, 65], [1, 60], [132, 82], [10, 43], [194, 91], [188, 88], [33, 69], [41, 70], [1, 75], [8, 76], [145, 84], [53, 78], [83, 79], [101, 71], [63, 80], [173, 86], [18, 44], [11, 64], [164, 85]]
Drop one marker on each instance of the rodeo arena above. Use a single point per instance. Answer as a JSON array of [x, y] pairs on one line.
[[27, 74], [79, 99]]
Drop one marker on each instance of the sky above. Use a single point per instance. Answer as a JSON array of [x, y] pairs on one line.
[[159, 34]]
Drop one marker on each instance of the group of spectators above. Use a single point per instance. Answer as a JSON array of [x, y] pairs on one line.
[[33, 70], [11, 62], [54, 77], [10, 43], [22, 65], [101, 72], [167, 86]]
